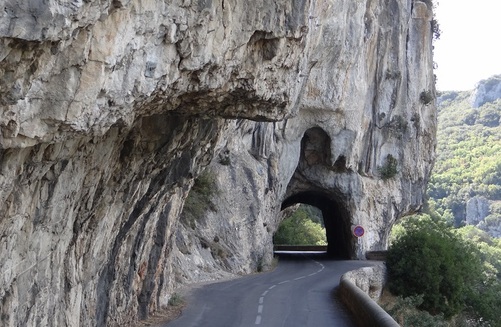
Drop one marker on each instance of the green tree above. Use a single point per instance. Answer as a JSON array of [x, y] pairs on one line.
[[468, 162], [428, 259], [300, 229], [489, 117]]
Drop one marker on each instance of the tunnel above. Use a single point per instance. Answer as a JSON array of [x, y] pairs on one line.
[[315, 161], [336, 220]]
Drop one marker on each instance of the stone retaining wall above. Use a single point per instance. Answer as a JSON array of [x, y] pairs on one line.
[[358, 289]]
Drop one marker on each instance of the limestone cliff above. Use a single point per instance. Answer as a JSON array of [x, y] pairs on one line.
[[488, 90], [112, 108]]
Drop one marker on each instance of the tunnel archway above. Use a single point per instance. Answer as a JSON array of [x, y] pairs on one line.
[[336, 220], [301, 228]]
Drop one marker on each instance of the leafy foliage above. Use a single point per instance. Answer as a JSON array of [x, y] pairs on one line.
[[199, 200], [485, 301], [389, 169], [430, 260], [405, 313], [426, 97], [453, 270], [302, 228], [468, 163]]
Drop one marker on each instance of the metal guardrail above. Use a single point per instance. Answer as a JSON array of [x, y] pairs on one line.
[[300, 248]]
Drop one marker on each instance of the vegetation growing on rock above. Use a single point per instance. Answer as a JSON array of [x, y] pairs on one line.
[[199, 199], [389, 169]]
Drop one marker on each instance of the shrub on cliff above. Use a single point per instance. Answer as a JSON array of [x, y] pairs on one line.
[[199, 200], [389, 169], [428, 259]]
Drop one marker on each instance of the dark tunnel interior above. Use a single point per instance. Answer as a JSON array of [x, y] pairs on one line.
[[336, 220]]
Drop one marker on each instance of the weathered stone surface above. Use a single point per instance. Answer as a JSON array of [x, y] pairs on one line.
[[477, 208], [111, 109], [370, 280], [481, 212], [487, 90]]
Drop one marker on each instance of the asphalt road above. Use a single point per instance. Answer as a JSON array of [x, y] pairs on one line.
[[298, 293]]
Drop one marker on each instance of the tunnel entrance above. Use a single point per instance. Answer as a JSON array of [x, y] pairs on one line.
[[315, 182], [302, 229], [336, 221]]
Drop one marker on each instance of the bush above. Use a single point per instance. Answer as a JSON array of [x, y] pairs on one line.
[[489, 117], [199, 200], [486, 302], [176, 300], [404, 311], [389, 169], [428, 259], [300, 229], [426, 97]]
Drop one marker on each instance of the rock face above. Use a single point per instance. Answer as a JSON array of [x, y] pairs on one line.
[[477, 208], [482, 213], [487, 90], [370, 280], [112, 108]]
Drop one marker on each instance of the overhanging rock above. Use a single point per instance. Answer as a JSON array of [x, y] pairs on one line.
[[110, 109]]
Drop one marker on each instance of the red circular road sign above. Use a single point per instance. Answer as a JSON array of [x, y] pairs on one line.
[[358, 231]]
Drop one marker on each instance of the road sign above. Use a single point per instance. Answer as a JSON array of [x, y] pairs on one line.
[[358, 231]]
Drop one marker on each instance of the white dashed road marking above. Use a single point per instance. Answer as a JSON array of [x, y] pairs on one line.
[[260, 307]]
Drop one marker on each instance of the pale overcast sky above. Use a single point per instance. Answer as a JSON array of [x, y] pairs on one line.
[[469, 48]]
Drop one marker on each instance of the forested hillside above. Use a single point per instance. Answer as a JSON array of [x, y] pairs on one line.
[[448, 276], [465, 186]]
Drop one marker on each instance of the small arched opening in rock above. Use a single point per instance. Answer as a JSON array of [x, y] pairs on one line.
[[336, 220], [315, 148]]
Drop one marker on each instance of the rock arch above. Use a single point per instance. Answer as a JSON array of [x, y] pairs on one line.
[[336, 220], [314, 166]]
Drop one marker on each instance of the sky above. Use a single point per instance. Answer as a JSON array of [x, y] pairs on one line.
[[469, 48]]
